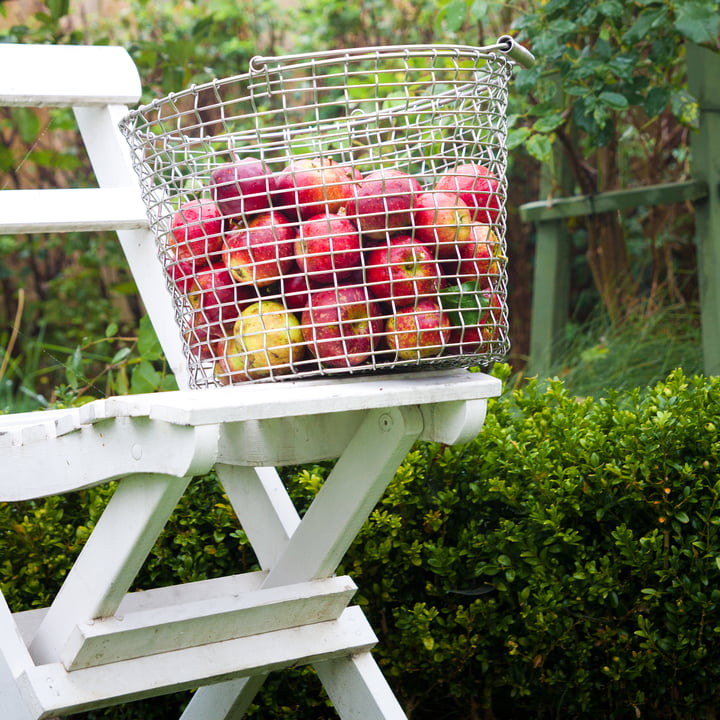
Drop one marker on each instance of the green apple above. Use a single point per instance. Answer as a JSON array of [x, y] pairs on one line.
[[266, 341]]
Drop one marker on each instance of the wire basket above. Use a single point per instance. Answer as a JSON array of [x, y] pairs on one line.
[[336, 213]]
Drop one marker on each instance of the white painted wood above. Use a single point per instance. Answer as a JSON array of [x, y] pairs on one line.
[[101, 452], [333, 520], [13, 705], [287, 441], [50, 688], [263, 508], [110, 559], [70, 209], [356, 483], [306, 397], [12, 646], [228, 700], [65, 75], [358, 689], [109, 155], [458, 421], [28, 621], [214, 619]]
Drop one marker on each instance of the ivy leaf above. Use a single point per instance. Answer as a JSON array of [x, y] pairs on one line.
[[548, 123], [656, 101], [517, 136], [540, 147], [698, 21], [148, 343], [145, 378], [646, 21], [464, 304], [614, 100]]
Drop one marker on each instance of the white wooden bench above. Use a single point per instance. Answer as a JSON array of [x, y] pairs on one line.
[[99, 645]]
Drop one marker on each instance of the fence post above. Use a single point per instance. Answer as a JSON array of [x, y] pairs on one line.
[[551, 276], [703, 67]]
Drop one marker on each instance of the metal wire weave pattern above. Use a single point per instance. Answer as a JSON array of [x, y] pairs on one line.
[[372, 237]]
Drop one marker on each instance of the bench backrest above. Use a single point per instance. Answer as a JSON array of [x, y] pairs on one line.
[[98, 83]]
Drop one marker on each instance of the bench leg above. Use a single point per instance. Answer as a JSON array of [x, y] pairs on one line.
[[358, 689], [110, 560], [315, 548]]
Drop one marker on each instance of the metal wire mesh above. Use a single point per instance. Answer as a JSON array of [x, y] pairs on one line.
[[332, 214]]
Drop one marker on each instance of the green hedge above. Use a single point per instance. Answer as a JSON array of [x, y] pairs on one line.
[[566, 563]]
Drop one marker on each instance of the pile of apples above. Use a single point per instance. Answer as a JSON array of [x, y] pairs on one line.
[[318, 266]]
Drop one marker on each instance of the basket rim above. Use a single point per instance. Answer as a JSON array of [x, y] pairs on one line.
[[506, 45]]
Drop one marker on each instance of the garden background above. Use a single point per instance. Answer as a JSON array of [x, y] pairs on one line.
[[564, 563]]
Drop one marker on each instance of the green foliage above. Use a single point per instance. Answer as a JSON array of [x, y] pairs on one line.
[[640, 351], [558, 565], [611, 60]]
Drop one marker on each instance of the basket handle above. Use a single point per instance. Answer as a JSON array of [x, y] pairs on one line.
[[515, 51], [505, 44]]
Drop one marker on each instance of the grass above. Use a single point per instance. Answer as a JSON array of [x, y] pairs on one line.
[[639, 351]]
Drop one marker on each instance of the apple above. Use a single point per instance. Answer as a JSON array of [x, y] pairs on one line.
[[401, 271], [342, 326], [181, 273], [384, 202], [471, 339], [442, 222], [479, 259], [477, 187], [216, 298], [266, 340], [327, 248], [295, 291], [224, 371], [201, 338], [311, 186], [480, 317], [242, 188], [261, 252], [196, 231], [418, 331]]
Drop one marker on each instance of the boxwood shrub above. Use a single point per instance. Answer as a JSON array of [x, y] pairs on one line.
[[565, 563]]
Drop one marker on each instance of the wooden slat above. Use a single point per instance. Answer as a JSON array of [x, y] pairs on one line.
[[663, 194], [217, 617], [51, 690], [305, 397], [66, 75], [76, 209]]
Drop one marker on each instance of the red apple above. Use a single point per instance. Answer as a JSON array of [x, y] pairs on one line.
[[401, 271], [242, 188], [479, 259], [470, 339], [265, 342], [261, 252], [216, 297], [418, 331], [202, 339], [327, 248], [309, 187], [384, 202], [442, 222], [196, 231], [295, 291], [181, 273], [342, 326], [477, 187]]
